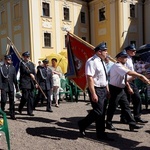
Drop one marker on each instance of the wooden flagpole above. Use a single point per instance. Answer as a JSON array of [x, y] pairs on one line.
[[20, 58]]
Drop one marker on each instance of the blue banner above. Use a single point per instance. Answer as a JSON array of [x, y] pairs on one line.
[[15, 59], [71, 71]]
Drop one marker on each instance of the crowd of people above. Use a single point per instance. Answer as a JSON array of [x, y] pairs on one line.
[[112, 84], [109, 84], [36, 84]]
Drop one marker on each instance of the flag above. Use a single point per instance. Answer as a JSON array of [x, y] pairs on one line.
[[71, 71], [78, 53], [15, 58]]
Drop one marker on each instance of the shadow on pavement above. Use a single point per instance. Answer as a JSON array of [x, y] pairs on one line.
[[37, 119], [53, 133]]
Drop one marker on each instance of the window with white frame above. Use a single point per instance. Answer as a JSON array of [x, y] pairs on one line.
[[132, 10], [66, 13], [102, 14], [83, 17], [47, 39], [46, 9]]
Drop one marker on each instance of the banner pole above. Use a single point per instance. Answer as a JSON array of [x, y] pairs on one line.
[[19, 56]]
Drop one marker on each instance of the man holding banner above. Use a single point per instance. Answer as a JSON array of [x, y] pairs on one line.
[[96, 75], [27, 77]]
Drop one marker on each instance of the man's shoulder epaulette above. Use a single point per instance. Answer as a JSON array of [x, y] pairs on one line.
[[93, 58]]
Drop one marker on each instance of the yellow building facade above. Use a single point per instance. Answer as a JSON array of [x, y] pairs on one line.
[[116, 22], [39, 26]]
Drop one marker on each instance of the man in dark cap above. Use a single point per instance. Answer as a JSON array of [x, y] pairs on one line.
[[98, 91], [135, 97], [44, 78], [118, 82], [7, 81], [27, 77]]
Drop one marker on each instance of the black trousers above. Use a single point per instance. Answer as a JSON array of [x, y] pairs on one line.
[[27, 97], [40, 96], [136, 101], [11, 101], [97, 114], [118, 95]]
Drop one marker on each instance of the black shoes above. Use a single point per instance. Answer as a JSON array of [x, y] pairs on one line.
[[12, 117], [139, 120], [82, 132], [49, 110], [110, 127], [31, 114], [132, 127]]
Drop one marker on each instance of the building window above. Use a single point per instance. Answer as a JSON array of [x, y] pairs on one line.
[[47, 39], [82, 17], [66, 13], [102, 14], [3, 17], [16, 11], [46, 9], [132, 10], [84, 38]]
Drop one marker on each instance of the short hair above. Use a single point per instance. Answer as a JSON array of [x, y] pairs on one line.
[[54, 59]]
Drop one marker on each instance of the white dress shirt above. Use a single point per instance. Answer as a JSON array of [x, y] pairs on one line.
[[94, 68], [117, 75]]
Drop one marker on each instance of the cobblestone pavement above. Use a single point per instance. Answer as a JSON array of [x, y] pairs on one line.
[[59, 131]]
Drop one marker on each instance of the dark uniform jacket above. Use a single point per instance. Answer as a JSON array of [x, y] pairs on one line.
[[44, 78], [8, 78], [25, 80]]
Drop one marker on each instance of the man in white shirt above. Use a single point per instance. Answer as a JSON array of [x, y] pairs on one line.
[[118, 82], [135, 97], [97, 81]]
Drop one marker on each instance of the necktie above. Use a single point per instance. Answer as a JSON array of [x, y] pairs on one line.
[[104, 70]]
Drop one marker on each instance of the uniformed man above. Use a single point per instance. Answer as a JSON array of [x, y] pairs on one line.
[[96, 75], [135, 97], [44, 78], [118, 81], [27, 77], [7, 81]]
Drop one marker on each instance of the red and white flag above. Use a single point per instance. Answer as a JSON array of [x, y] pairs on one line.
[[78, 53]]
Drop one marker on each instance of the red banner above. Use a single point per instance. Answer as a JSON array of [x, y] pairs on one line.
[[80, 53]]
